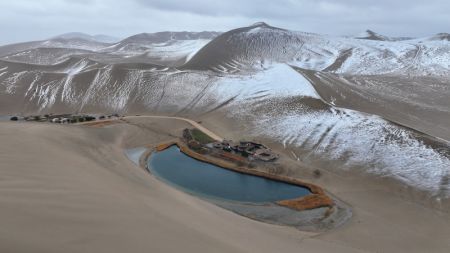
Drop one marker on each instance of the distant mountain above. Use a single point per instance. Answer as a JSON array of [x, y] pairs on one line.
[[78, 35], [371, 35], [17, 47], [161, 37], [57, 42], [175, 45], [167, 48], [441, 36]]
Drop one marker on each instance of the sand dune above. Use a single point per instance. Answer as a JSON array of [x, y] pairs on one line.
[[71, 189]]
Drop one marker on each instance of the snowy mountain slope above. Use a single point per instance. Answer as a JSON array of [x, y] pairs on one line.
[[187, 48], [171, 53], [254, 46], [421, 103], [371, 35], [168, 48], [45, 56], [74, 43], [67, 86], [30, 47], [260, 44], [440, 37], [18, 47], [164, 37]]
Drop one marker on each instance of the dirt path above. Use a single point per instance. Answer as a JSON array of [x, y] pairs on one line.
[[193, 123]]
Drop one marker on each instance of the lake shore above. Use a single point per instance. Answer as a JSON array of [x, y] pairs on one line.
[[315, 189], [71, 188], [315, 212]]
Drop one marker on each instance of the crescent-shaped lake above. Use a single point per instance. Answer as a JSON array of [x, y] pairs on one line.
[[210, 181]]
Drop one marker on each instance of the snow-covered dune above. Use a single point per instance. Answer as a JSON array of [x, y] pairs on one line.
[[261, 44], [169, 48]]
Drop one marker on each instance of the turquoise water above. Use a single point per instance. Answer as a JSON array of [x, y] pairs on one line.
[[4, 117], [199, 178]]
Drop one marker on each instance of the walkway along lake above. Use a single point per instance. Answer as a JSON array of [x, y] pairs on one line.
[[207, 180]]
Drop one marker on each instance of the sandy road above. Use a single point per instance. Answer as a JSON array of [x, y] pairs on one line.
[[193, 123]]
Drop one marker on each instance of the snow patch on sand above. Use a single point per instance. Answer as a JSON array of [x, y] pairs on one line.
[[10, 83], [180, 48], [277, 81]]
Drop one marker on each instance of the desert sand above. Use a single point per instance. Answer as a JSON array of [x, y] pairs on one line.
[[67, 188]]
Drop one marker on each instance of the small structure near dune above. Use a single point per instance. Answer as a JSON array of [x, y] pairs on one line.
[[248, 148], [56, 120], [65, 121], [226, 145], [250, 151], [265, 155], [66, 118], [242, 152]]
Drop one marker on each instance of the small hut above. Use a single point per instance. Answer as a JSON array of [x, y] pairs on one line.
[[265, 155], [65, 120], [56, 120]]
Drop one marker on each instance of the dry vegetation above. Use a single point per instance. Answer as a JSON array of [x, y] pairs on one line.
[[308, 202]]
